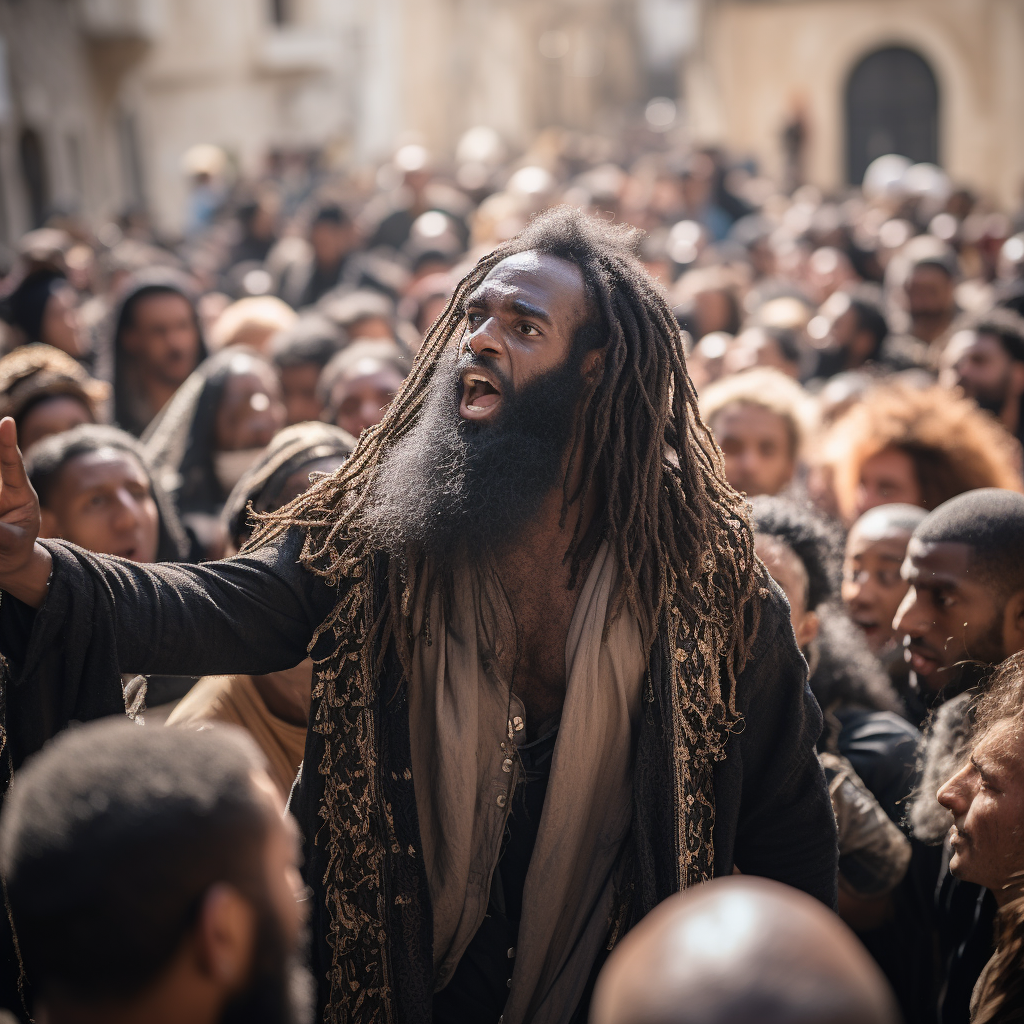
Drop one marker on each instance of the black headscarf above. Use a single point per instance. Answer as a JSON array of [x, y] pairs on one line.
[[180, 440], [292, 448], [25, 307], [110, 362]]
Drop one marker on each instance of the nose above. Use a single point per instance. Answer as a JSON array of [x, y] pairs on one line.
[[126, 513], [484, 341], [910, 616], [952, 793]]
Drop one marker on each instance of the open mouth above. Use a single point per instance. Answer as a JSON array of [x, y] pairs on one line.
[[921, 663], [480, 395]]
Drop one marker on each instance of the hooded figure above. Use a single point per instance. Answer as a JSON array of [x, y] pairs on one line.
[[199, 458], [139, 378], [266, 485]]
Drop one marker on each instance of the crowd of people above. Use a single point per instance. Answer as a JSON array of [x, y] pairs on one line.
[[859, 362]]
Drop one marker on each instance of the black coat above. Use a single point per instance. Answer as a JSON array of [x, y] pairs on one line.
[[256, 613]]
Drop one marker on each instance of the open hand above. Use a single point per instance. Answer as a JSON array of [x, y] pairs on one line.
[[24, 568]]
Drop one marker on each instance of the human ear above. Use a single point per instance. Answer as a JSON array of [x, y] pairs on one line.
[[48, 527], [593, 364], [807, 629], [225, 935], [1013, 624]]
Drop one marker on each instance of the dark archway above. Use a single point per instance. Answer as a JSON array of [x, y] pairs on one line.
[[892, 106], [33, 172]]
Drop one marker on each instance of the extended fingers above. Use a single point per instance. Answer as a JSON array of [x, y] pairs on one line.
[[12, 466]]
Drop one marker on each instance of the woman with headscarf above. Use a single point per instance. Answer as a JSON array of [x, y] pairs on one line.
[[42, 308], [149, 344], [273, 708], [213, 430]]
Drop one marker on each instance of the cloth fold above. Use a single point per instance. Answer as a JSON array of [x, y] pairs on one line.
[[236, 701], [465, 769]]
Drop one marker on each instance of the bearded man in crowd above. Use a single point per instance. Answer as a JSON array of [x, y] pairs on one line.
[[553, 683]]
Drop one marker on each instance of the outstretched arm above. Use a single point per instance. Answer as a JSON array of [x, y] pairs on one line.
[[71, 622]]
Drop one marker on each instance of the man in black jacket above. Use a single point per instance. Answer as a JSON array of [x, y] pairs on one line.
[[531, 593]]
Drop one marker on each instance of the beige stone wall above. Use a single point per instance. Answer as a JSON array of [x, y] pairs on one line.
[[761, 57]]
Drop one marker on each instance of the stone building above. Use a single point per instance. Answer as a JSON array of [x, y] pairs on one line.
[[936, 80], [66, 140]]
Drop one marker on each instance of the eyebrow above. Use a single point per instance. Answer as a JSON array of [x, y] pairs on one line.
[[520, 306], [529, 309]]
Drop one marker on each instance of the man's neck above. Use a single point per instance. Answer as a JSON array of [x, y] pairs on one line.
[[928, 327], [155, 391]]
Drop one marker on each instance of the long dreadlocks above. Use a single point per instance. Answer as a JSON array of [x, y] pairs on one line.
[[666, 508]]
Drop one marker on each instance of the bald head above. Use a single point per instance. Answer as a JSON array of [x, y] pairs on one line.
[[738, 950], [990, 521], [884, 520]]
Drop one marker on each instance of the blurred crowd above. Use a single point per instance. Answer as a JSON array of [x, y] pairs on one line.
[[859, 359]]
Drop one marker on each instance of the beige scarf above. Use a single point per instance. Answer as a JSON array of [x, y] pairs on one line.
[[465, 771]]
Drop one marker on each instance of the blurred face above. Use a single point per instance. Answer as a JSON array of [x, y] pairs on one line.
[[887, 478], [361, 397], [986, 798], [163, 338], [980, 365], [331, 242], [929, 291], [873, 588], [298, 387], [948, 615], [756, 347], [102, 501], [251, 409], [372, 327], [757, 448], [52, 416], [785, 567], [60, 323]]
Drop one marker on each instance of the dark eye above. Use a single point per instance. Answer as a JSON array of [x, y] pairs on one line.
[[529, 330], [474, 318]]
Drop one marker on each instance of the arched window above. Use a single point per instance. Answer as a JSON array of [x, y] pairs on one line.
[[33, 172], [892, 106]]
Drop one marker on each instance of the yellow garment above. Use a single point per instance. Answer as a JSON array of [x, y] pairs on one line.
[[235, 700]]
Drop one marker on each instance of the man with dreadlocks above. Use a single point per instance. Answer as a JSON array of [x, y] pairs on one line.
[[553, 683]]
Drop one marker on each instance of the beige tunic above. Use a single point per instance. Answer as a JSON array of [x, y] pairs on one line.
[[465, 768]]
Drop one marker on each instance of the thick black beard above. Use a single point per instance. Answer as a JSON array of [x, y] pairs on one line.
[[281, 989], [453, 487]]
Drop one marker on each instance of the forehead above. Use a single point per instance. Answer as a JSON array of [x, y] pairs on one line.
[[950, 559], [742, 417], [369, 371], [890, 542], [103, 464], [554, 284], [1001, 743]]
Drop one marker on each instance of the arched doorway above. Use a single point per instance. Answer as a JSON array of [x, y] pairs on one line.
[[33, 172], [892, 106]]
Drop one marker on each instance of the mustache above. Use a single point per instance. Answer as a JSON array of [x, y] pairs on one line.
[[920, 647], [470, 360]]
